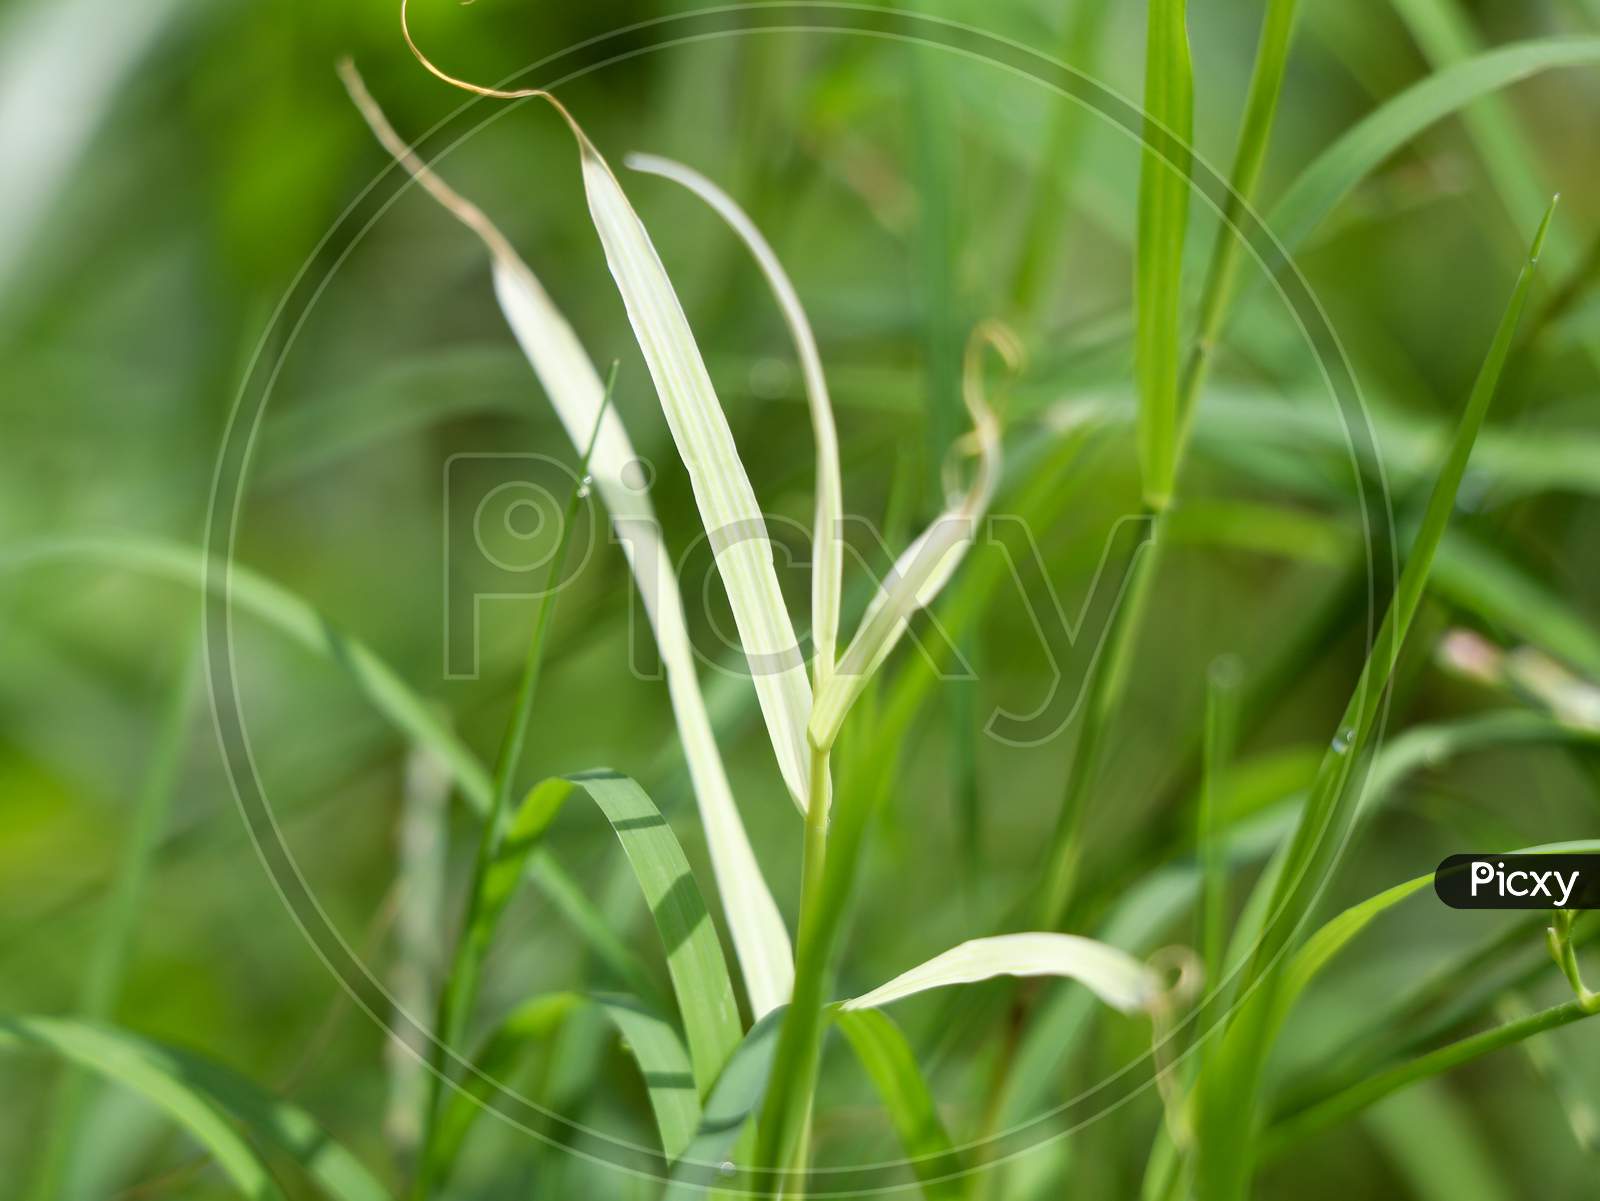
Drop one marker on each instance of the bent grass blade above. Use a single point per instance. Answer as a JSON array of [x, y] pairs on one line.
[[576, 392]]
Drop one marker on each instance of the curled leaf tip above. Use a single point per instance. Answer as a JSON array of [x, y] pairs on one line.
[[454, 81]]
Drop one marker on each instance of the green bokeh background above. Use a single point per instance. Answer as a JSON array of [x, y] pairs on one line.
[[172, 166]]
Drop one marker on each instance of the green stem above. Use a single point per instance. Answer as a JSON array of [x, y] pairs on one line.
[[786, 1114], [1351, 1101], [461, 987]]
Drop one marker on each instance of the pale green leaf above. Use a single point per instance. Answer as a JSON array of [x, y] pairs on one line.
[[1116, 977], [577, 393]]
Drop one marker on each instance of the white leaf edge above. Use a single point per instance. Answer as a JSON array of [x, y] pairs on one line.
[[723, 494], [827, 550]]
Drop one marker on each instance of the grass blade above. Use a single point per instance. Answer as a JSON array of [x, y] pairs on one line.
[[694, 957], [1331, 176], [923, 569], [1347, 1104], [206, 1099], [1229, 1091], [1163, 225], [576, 391], [722, 491], [460, 990], [1255, 134], [1114, 976], [887, 1058], [827, 548]]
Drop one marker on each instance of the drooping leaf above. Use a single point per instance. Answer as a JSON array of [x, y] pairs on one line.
[[728, 508], [1117, 978]]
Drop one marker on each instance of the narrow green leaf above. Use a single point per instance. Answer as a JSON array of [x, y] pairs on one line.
[[1294, 1129], [1163, 225], [886, 1056], [732, 1103], [1255, 135], [1330, 805], [1229, 1091], [206, 1099], [1337, 170], [694, 957]]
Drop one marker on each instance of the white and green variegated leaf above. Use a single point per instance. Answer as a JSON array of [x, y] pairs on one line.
[[722, 491], [577, 394], [827, 549], [1114, 976]]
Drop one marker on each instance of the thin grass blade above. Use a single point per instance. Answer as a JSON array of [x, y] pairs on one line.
[[827, 549], [1332, 175], [889, 1063]]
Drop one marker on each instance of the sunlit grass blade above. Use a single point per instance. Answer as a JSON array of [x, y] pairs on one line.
[[1114, 976], [207, 1100], [1163, 225], [889, 1063], [733, 1101], [1291, 886], [650, 1039], [1330, 177], [727, 503], [460, 990], [827, 548], [923, 569], [577, 393]]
